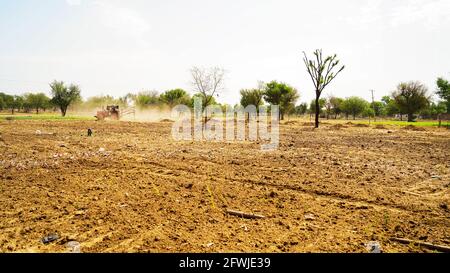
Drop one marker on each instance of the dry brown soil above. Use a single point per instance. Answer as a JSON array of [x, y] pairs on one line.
[[328, 190]]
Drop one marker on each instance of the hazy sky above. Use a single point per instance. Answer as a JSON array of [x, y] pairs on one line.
[[116, 47]]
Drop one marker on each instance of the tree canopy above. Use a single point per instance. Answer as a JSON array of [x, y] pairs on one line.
[[252, 97], [443, 91], [64, 96], [354, 106], [175, 96], [411, 98], [277, 93]]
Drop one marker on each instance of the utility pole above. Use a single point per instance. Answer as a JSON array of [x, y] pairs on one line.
[[373, 105]]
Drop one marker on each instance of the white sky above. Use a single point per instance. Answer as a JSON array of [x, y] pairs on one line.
[[116, 47]]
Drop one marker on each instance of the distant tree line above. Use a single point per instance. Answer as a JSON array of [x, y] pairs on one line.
[[407, 102]]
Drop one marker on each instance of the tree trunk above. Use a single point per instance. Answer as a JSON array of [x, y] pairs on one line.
[[410, 117], [316, 125], [37, 111], [12, 111], [63, 111]]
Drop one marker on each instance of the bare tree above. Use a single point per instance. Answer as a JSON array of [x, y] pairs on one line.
[[208, 83], [321, 72]]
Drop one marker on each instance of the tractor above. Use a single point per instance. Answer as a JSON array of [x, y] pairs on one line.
[[112, 112]]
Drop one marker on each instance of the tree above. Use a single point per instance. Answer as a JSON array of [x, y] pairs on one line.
[[354, 106], [146, 98], [332, 106], [434, 110], [252, 97], [175, 96], [321, 72], [288, 102], [37, 101], [386, 100], [392, 108], [281, 94], [312, 106], [208, 82], [18, 103], [301, 109], [200, 96], [444, 91], [411, 98], [8, 101], [64, 96], [336, 105], [2, 103], [368, 111], [378, 108]]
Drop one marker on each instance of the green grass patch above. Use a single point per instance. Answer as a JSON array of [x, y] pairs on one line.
[[403, 123]]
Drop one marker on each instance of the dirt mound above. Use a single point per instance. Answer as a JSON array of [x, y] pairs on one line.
[[414, 128], [291, 122], [381, 127], [312, 123], [361, 125], [349, 123], [338, 127], [308, 124], [166, 120]]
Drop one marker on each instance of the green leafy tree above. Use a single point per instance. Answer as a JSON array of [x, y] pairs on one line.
[[378, 108], [444, 92], [434, 110], [391, 108], [63, 96], [8, 101], [322, 72], [18, 103], [354, 106], [200, 95], [252, 97], [175, 97], [37, 101], [411, 98], [312, 106], [2, 103], [301, 109], [386, 100], [146, 98], [281, 94], [288, 102], [336, 106], [368, 111]]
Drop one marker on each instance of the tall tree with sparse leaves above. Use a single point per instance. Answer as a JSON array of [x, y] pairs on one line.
[[322, 72]]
